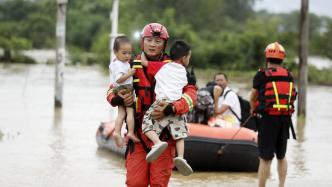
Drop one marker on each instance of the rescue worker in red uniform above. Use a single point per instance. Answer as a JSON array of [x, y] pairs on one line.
[[140, 173], [272, 99]]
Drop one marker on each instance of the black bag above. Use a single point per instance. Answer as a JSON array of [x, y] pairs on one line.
[[204, 108], [245, 113], [204, 99]]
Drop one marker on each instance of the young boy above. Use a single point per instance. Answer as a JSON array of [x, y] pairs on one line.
[[170, 80]]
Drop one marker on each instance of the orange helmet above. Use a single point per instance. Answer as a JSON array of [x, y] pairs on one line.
[[154, 29], [275, 50]]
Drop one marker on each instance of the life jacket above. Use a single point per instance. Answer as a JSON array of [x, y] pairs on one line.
[[144, 89], [278, 93]]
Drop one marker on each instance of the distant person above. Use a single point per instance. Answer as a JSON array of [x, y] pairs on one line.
[[168, 89], [272, 98], [228, 107], [215, 88], [121, 79], [207, 100]]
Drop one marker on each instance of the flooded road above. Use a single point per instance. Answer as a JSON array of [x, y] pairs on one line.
[[40, 146]]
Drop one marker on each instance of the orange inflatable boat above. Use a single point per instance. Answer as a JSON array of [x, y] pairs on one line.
[[206, 148]]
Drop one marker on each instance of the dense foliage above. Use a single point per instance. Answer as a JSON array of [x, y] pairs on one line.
[[226, 34]]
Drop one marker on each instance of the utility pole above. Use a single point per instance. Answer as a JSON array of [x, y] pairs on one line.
[[303, 56], [114, 16], [60, 51]]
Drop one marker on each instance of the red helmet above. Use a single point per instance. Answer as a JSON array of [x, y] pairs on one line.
[[154, 29], [275, 50]]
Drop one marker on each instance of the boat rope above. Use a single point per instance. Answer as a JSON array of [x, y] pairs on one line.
[[222, 149]]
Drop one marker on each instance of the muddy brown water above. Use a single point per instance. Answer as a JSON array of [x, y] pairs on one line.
[[43, 147]]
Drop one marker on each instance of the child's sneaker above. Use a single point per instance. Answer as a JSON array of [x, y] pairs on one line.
[[182, 166], [156, 151]]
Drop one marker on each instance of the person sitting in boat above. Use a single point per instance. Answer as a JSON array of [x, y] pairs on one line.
[[228, 109], [207, 103], [168, 89]]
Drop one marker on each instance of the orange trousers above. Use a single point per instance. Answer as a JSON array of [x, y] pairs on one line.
[[140, 173]]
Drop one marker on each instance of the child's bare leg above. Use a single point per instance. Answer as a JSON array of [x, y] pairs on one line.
[[152, 135], [158, 147], [131, 124], [118, 124], [148, 126], [151, 129], [180, 147]]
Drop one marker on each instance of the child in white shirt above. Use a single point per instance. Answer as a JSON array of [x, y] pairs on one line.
[[121, 78]]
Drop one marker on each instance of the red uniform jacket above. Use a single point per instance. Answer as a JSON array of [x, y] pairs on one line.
[[144, 89]]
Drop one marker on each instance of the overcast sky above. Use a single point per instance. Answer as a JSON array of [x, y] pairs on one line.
[[319, 7]]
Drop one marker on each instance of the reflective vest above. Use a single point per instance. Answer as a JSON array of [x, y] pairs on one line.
[[144, 89], [278, 94]]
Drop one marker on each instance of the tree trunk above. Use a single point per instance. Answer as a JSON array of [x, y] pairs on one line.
[[303, 56], [7, 56]]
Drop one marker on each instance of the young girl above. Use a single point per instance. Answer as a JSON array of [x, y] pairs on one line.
[[121, 79]]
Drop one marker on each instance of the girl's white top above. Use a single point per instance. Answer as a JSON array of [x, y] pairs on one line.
[[117, 69]]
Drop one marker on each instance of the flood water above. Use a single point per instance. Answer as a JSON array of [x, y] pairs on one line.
[[40, 146]]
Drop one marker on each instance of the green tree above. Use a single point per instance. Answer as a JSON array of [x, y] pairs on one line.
[[101, 48], [12, 46]]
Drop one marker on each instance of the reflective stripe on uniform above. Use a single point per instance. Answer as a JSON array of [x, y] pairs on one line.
[[290, 93], [276, 95], [136, 80], [189, 101], [137, 66], [278, 105], [281, 106]]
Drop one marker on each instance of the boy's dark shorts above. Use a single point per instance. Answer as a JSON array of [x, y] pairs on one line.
[[127, 87], [273, 133]]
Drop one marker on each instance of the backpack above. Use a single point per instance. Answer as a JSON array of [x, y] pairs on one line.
[[245, 113], [203, 109], [204, 99]]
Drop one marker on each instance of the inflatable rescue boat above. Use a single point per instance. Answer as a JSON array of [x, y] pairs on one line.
[[206, 148]]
